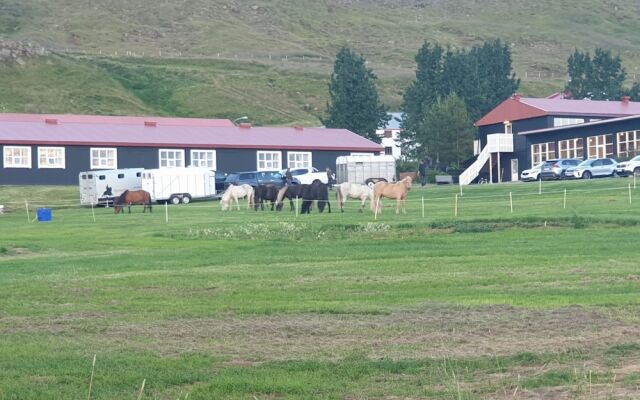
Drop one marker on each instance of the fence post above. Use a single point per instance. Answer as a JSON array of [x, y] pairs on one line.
[[564, 202], [375, 213], [634, 180], [629, 193], [460, 190], [511, 202], [296, 206], [539, 185], [422, 206], [26, 205], [455, 208], [166, 212], [93, 213]]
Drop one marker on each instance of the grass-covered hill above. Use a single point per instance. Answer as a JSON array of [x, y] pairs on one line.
[[271, 60]]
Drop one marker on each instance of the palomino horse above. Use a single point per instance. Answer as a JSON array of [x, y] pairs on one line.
[[130, 197], [235, 192], [349, 190], [396, 191]]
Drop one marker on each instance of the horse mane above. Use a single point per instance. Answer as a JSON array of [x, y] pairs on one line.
[[121, 199]]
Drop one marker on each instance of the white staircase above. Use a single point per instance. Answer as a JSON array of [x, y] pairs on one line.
[[496, 143]]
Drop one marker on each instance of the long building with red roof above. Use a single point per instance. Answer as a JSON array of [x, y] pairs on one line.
[[53, 149]]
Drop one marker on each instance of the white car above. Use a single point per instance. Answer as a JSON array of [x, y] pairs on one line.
[[631, 167], [593, 167], [308, 175], [531, 174]]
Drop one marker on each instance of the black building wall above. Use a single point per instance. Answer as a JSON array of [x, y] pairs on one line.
[[78, 159]]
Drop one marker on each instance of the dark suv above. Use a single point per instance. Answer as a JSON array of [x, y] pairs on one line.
[[555, 169], [255, 178]]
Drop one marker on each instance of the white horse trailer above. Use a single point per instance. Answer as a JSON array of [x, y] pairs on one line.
[[103, 186], [365, 169], [179, 185]]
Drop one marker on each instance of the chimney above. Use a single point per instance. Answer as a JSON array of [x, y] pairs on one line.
[[625, 99], [245, 125], [150, 123], [52, 121], [516, 96], [298, 127]]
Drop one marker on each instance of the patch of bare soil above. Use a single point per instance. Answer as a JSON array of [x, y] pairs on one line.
[[434, 332]]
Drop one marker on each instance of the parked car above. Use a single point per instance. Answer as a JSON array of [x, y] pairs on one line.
[[593, 167], [221, 177], [531, 174], [555, 169], [308, 175], [256, 178], [631, 167]]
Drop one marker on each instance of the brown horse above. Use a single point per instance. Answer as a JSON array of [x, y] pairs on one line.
[[130, 197], [396, 191]]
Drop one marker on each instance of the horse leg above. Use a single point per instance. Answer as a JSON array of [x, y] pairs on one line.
[[237, 204]]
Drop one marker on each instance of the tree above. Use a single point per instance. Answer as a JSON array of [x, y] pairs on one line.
[[354, 103], [447, 131], [598, 78], [634, 93]]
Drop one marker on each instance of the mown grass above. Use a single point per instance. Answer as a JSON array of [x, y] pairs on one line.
[[341, 305]]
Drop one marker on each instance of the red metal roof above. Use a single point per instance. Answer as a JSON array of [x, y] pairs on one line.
[[517, 108], [180, 135], [113, 120]]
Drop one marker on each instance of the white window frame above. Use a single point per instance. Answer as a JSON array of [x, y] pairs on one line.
[[10, 159], [296, 159], [567, 121], [600, 146], [571, 148], [266, 161], [171, 162], [100, 162], [58, 160], [542, 152], [209, 161], [628, 139]]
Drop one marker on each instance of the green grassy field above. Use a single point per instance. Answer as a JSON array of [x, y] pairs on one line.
[[541, 302]]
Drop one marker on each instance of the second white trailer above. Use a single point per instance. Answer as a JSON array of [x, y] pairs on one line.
[[179, 185], [365, 169]]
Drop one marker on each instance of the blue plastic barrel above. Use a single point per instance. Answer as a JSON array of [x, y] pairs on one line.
[[44, 215]]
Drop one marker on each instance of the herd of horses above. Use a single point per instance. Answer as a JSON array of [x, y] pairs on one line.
[[317, 192]]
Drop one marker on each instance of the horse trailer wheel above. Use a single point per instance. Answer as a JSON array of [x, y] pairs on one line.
[[174, 200], [186, 199]]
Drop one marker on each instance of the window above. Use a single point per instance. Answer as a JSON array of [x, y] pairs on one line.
[[628, 143], [508, 127], [571, 148], [600, 146], [388, 150], [269, 160], [171, 158], [567, 121], [51, 157], [203, 158], [388, 134], [17, 157], [104, 158], [299, 159], [542, 152]]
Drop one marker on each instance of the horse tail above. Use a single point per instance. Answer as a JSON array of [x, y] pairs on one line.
[[281, 194]]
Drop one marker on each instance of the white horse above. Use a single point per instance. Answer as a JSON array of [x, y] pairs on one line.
[[235, 192], [353, 191]]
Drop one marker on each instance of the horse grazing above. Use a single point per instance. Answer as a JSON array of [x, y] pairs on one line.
[[290, 192], [317, 191], [349, 190], [264, 193], [396, 191], [235, 192], [131, 197]]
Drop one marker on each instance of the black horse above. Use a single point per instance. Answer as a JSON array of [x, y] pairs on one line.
[[317, 191], [264, 193], [290, 192]]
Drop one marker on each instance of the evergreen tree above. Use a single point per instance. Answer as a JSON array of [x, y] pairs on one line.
[[447, 131], [598, 78], [354, 102], [634, 93]]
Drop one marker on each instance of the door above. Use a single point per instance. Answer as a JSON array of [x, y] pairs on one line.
[[514, 170]]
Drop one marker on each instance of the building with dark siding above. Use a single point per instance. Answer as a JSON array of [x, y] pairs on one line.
[[53, 149], [521, 132]]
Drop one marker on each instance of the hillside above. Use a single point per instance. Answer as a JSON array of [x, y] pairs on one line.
[[271, 60]]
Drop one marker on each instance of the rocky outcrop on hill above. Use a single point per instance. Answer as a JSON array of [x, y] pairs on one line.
[[18, 53]]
